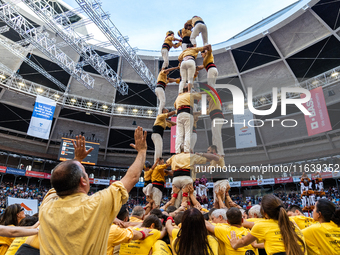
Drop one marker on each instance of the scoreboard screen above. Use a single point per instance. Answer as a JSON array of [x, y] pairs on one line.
[[66, 151]]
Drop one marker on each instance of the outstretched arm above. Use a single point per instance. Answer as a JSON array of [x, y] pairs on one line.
[[199, 68], [10, 231], [171, 69], [209, 156], [132, 175], [171, 113]]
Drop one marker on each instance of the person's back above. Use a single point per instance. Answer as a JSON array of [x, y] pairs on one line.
[[324, 238], [71, 222]]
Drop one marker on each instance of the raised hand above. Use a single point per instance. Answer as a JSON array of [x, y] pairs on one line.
[[140, 140], [80, 152]]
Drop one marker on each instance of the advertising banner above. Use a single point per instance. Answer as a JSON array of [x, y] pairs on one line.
[[266, 181], [3, 169], [139, 184], [47, 176], [244, 133], [173, 136], [284, 180], [318, 122], [235, 184], [35, 174], [41, 121], [101, 181], [30, 205], [16, 171], [249, 183]]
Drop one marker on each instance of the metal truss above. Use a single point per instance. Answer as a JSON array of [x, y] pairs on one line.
[[103, 22], [56, 21], [21, 53], [88, 105], [105, 57], [4, 70], [41, 41]]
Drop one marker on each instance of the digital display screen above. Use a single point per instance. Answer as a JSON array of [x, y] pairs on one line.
[[66, 151]]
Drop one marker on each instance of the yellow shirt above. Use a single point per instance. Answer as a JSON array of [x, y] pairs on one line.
[[303, 221], [323, 239], [222, 233], [185, 161], [186, 99], [117, 236], [255, 220], [134, 219], [15, 245], [195, 19], [209, 58], [5, 242], [211, 240], [140, 247], [161, 120], [269, 231], [160, 248], [79, 224], [212, 106], [158, 173], [33, 241], [190, 52], [220, 162], [184, 33], [168, 40], [162, 76], [147, 175]]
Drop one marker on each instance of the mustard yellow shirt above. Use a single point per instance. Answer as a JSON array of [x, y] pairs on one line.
[[185, 33], [269, 231], [118, 236], [160, 248], [212, 105], [185, 161], [79, 224], [134, 219], [168, 40], [158, 173], [190, 52], [303, 221], [5, 242], [216, 163], [322, 238], [186, 99], [209, 58], [140, 247], [15, 245], [222, 233], [162, 76], [161, 120], [33, 241], [147, 175]]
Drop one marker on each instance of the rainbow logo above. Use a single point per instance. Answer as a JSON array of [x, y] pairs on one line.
[[206, 88]]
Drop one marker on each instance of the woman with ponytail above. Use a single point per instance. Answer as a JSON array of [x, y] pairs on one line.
[[324, 238], [280, 235]]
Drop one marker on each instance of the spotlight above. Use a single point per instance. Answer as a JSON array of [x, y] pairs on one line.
[[2, 76], [21, 84], [89, 103], [40, 90], [135, 110], [150, 112], [73, 100], [105, 107], [56, 96], [334, 74], [120, 109]]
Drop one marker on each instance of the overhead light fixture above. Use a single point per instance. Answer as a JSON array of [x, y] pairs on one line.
[[73, 100], [105, 107], [89, 103], [263, 99], [120, 109], [40, 90], [149, 111], [2, 76], [334, 74], [21, 84], [135, 110], [56, 96]]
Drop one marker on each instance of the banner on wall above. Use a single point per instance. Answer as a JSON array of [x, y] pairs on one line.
[[3, 169], [318, 122], [30, 205], [283, 180], [235, 184], [15, 171], [173, 136], [35, 174], [244, 133], [41, 121]]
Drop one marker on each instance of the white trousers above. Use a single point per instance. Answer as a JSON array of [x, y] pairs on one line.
[[157, 196], [160, 93], [148, 190], [165, 56], [180, 182], [211, 76], [184, 46], [158, 144], [184, 125], [223, 184], [216, 130], [193, 141], [199, 28], [187, 70]]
